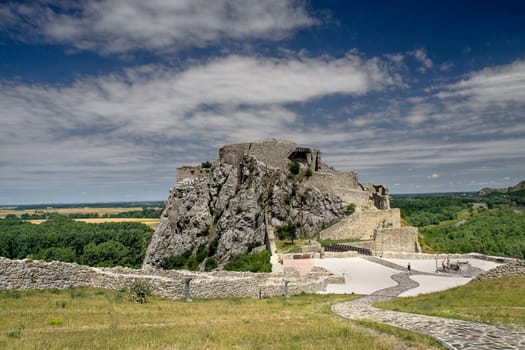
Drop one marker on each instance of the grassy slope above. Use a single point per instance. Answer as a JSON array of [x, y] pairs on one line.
[[97, 319], [493, 301]]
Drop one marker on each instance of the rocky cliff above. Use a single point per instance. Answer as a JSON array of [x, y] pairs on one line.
[[221, 211]]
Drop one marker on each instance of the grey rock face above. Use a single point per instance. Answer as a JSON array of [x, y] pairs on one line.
[[229, 204]]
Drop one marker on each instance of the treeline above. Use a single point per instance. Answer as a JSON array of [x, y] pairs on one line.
[[509, 198], [153, 204], [104, 244], [499, 232], [148, 213], [428, 210]]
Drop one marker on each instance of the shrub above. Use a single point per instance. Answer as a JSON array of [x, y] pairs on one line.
[[350, 208], [201, 253], [250, 262], [212, 248], [294, 167], [210, 264], [206, 165], [287, 231], [177, 261], [253, 245], [139, 291]]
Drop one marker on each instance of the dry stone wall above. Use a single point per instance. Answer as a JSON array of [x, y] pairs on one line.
[[363, 224], [35, 274], [514, 268], [401, 239]]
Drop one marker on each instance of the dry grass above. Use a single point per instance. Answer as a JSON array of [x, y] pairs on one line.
[[99, 319]]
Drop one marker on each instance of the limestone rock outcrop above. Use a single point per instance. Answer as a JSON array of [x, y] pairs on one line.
[[224, 209]]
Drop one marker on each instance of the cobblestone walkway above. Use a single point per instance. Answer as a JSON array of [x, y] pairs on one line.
[[453, 334]]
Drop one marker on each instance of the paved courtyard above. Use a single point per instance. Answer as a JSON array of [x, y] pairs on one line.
[[382, 279]]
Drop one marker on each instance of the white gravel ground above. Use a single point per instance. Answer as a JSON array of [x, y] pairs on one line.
[[365, 277]]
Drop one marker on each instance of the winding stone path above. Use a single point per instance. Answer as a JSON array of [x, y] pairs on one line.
[[453, 334]]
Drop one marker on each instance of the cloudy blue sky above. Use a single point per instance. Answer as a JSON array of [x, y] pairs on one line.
[[103, 100]]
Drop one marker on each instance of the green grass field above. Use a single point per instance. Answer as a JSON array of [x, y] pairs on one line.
[[100, 319], [495, 301]]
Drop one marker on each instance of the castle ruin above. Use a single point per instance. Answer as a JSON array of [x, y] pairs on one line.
[[250, 187]]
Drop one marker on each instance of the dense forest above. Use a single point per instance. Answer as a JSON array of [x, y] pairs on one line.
[[500, 232], [492, 224], [104, 244]]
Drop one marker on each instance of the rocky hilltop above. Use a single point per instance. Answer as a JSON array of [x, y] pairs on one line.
[[519, 187], [223, 209]]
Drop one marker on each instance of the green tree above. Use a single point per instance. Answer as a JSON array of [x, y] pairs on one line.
[[287, 231]]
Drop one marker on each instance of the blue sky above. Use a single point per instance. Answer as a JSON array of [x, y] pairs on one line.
[[103, 100]]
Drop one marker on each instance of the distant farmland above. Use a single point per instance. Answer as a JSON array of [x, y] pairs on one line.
[[65, 211], [150, 222], [102, 214]]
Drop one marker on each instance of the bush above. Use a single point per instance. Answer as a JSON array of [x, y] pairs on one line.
[[211, 263], [350, 208], [294, 167], [206, 165], [287, 231], [250, 262], [177, 261], [139, 291]]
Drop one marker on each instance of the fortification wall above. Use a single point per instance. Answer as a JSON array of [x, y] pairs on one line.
[[273, 153], [362, 224], [192, 172], [400, 239], [35, 274]]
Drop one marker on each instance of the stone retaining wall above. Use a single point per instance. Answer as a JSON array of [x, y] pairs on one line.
[[362, 224], [514, 268], [35, 274], [402, 239]]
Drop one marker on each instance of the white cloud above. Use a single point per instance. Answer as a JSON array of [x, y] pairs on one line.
[[498, 85], [120, 127], [433, 176], [122, 25], [421, 56]]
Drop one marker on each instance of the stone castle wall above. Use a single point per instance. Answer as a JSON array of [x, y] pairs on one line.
[[35, 274], [343, 184], [400, 239], [362, 224], [273, 153], [192, 172]]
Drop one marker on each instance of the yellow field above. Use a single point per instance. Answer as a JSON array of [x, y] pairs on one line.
[[79, 210], [150, 222]]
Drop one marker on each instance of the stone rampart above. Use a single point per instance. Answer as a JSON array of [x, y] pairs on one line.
[[35, 274], [273, 153], [343, 184], [400, 239], [192, 172], [362, 224]]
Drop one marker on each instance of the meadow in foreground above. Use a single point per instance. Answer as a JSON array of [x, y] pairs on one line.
[[102, 319]]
